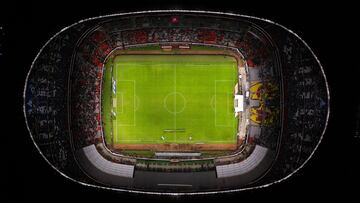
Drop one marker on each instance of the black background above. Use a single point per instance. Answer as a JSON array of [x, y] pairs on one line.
[[329, 29]]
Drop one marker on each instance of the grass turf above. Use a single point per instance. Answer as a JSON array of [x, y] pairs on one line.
[[170, 98]]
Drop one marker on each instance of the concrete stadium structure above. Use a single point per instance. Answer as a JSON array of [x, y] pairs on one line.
[[62, 103]]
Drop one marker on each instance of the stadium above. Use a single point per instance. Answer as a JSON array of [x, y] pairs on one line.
[[176, 102]]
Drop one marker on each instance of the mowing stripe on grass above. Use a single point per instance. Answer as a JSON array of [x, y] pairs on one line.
[[156, 94]]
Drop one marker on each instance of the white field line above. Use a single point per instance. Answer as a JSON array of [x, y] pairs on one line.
[[117, 134], [134, 103], [175, 82], [165, 64], [216, 124], [236, 121], [185, 141], [116, 128], [215, 104], [122, 102], [175, 99], [134, 100]]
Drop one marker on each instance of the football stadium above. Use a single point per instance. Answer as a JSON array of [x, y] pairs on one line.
[[176, 102]]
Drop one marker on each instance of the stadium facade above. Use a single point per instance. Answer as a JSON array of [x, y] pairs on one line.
[[281, 101]]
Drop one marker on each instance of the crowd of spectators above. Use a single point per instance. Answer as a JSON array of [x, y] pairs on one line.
[[47, 88], [167, 166], [46, 102], [86, 80], [306, 106], [87, 70]]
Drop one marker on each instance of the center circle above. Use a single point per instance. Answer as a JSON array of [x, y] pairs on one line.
[[174, 102]]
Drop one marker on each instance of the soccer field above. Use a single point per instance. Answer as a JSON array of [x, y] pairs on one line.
[[154, 99]]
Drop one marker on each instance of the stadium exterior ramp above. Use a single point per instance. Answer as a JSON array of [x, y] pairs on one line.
[[288, 102]]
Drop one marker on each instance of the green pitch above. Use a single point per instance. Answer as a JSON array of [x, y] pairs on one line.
[[169, 99]]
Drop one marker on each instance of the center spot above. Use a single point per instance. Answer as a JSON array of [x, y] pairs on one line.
[[174, 102]]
